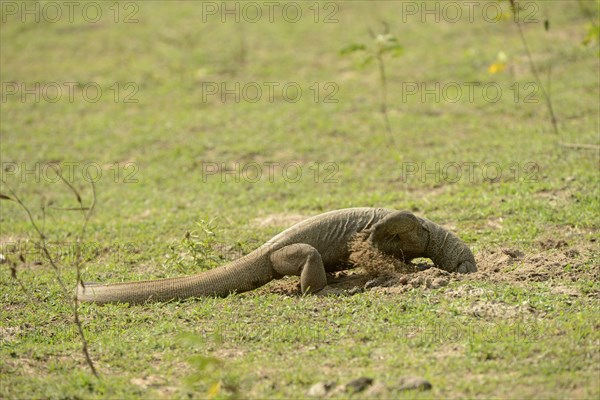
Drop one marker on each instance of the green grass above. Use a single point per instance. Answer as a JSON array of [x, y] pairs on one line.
[[272, 345]]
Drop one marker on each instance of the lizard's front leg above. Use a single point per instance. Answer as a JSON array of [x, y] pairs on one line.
[[301, 260]]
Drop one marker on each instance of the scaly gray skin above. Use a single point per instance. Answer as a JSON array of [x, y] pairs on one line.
[[308, 249]]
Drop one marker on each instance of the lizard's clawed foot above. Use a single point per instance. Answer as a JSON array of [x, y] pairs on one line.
[[466, 267], [380, 281]]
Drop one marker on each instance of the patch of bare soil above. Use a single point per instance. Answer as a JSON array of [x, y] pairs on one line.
[[495, 309], [287, 286], [557, 261], [9, 334], [554, 260], [394, 283]]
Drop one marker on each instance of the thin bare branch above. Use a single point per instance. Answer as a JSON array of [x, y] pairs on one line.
[[534, 69], [73, 303], [66, 182], [70, 208], [383, 106]]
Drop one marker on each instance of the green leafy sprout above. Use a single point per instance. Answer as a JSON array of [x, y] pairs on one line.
[[382, 45]]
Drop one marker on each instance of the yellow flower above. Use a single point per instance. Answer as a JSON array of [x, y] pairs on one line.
[[496, 67]]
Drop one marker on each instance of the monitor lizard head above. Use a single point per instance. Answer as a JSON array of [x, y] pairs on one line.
[[406, 236], [400, 234]]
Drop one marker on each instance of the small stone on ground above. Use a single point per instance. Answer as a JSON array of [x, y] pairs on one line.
[[414, 383], [320, 389], [358, 385]]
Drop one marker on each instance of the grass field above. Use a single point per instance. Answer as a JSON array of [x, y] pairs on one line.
[[194, 125]]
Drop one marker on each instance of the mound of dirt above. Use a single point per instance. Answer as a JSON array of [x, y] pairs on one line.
[[509, 265], [554, 261], [375, 262]]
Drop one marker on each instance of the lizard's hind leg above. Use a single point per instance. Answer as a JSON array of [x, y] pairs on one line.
[[301, 260]]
